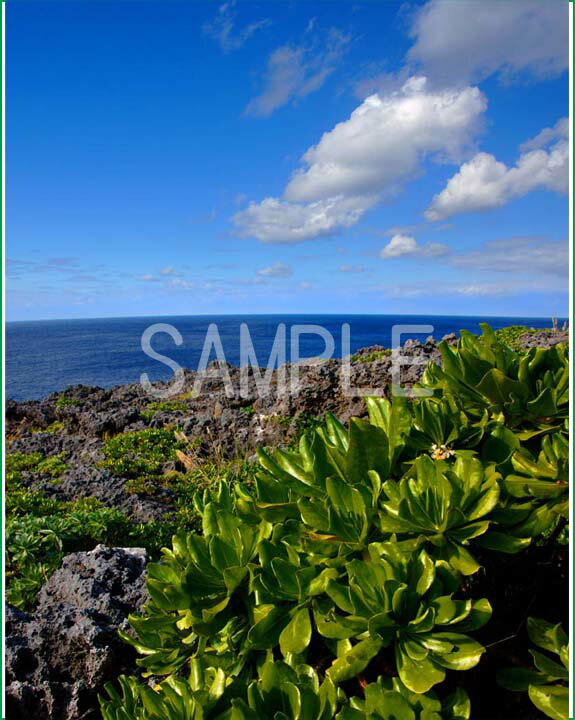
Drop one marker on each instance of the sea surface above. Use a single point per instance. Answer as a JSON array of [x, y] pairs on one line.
[[49, 355]]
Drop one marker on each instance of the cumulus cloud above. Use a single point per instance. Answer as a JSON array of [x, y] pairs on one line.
[[518, 255], [371, 154], [384, 140], [401, 245], [225, 30], [294, 71], [147, 278], [458, 42], [483, 182], [277, 270]]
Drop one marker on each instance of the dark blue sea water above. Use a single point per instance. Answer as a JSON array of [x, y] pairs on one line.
[[45, 356]]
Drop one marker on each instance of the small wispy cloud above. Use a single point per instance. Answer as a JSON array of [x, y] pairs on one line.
[[351, 268], [225, 29], [294, 71], [517, 255], [277, 270], [170, 271], [179, 282]]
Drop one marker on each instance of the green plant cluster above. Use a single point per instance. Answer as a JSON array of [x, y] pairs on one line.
[[17, 463], [66, 401], [140, 455], [371, 357], [344, 583], [40, 530], [510, 335], [52, 429]]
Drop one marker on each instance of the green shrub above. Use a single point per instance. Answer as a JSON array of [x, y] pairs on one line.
[[528, 393], [345, 582]]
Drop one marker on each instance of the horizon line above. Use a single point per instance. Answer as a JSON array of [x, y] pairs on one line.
[[279, 315]]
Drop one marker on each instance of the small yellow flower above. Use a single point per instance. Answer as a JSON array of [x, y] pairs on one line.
[[441, 452]]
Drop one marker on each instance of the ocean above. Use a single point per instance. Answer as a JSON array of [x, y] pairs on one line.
[[46, 356]]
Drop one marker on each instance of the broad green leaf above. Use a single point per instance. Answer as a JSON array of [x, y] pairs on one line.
[[265, 633], [551, 699], [354, 661], [296, 636]]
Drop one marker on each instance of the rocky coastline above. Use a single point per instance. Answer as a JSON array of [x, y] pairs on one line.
[[62, 651]]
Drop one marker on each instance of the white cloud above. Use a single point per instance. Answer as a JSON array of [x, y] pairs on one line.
[[559, 131], [461, 42], [483, 182], [401, 245], [296, 71], [384, 140], [369, 155], [278, 221], [277, 270], [518, 255], [147, 278], [224, 29], [169, 271]]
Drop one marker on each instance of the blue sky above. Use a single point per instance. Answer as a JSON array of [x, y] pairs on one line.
[[202, 157]]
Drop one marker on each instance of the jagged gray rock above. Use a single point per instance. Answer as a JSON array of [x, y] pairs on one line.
[[58, 657]]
